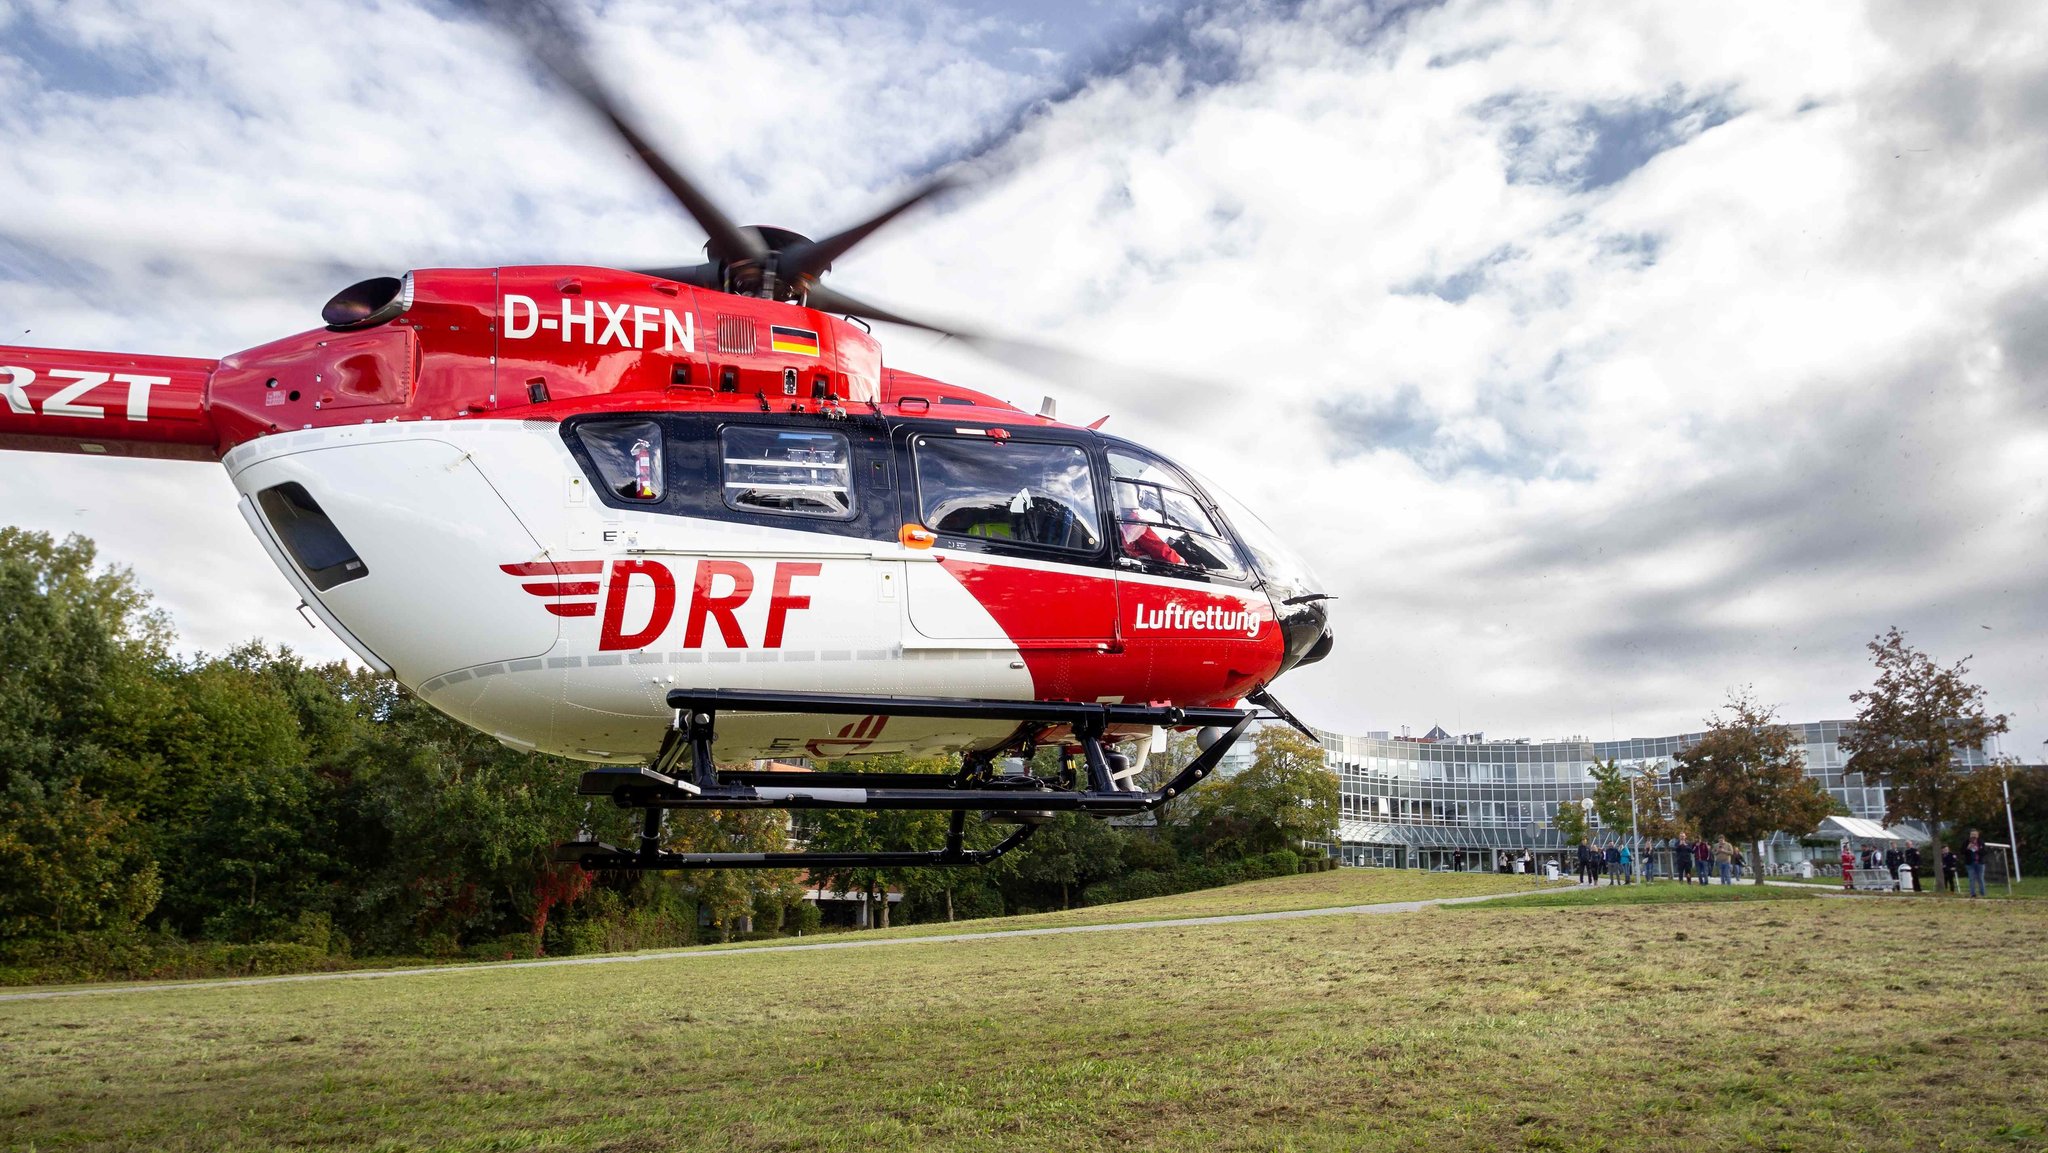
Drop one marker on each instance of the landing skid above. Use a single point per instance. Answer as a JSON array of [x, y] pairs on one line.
[[684, 776]]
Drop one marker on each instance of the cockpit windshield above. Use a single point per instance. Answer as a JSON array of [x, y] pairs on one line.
[[1277, 563]]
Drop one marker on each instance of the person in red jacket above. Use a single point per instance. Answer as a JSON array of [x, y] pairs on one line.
[[1848, 866]]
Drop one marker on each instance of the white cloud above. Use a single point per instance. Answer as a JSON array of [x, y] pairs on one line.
[[1694, 342]]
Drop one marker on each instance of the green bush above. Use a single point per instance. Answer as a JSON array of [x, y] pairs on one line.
[[1137, 886], [129, 955], [265, 958], [803, 917], [510, 947]]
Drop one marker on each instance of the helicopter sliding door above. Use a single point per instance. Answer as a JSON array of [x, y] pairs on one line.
[[1021, 541]]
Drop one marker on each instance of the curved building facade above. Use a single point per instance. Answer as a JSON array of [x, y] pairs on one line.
[[1419, 802]]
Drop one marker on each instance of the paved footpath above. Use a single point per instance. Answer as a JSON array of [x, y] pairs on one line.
[[691, 954]]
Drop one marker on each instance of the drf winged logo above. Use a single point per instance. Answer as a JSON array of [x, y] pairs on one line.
[[717, 590]]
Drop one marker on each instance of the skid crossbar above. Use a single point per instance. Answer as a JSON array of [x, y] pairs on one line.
[[684, 776]]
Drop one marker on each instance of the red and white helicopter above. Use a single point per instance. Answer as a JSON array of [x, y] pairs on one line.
[[661, 519]]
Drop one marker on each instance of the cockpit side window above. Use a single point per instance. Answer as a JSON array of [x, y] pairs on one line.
[[1017, 492], [1161, 524], [628, 455]]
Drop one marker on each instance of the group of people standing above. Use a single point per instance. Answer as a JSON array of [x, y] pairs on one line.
[[1616, 862], [1703, 860], [1954, 865]]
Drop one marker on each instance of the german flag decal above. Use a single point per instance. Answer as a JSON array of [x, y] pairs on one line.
[[801, 341]]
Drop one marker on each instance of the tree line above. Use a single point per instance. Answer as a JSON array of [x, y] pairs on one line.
[[1746, 778], [154, 806]]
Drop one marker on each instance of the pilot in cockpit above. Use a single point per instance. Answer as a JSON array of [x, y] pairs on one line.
[[1137, 514]]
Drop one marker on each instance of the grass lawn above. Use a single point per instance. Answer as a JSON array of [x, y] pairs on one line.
[[1306, 891], [1278, 894], [2030, 888], [1719, 1024], [1659, 894]]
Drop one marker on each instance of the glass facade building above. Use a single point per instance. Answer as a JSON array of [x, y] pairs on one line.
[[1419, 802]]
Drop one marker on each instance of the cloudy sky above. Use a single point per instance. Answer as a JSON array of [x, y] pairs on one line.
[[1601, 357]]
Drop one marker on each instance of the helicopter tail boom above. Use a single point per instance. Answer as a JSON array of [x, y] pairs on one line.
[[106, 404]]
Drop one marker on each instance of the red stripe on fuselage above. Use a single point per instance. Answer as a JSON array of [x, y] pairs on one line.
[[1191, 659]]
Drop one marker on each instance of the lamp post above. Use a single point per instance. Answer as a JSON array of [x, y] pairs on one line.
[[2011, 833], [1634, 831]]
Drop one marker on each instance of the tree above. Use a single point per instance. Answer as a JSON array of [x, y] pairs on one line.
[[1626, 797], [1285, 798], [887, 830], [1067, 854], [1571, 822], [1980, 803], [80, 654], [1910, 727], [732, 896], [68, 863], [1746, 778]]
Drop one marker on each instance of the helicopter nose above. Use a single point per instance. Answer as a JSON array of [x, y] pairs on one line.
[[1322, 647], [1305, 629]]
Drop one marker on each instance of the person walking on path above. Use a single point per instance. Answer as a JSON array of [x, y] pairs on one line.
[[1848, 865], [1585, 863], [1724, 859], [1913, 863], [1973, 860], [1702, 858], [1627, 860], [1948, 868]]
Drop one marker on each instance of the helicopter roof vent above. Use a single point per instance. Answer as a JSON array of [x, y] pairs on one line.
[[736, 335]]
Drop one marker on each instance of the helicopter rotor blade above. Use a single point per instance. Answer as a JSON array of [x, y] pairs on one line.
[[810, 258], [1043, 360], [826, 299], [557, 43], [694, 275]]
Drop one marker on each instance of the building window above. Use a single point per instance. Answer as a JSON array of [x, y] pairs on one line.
[[1003, 490], [789, 471]]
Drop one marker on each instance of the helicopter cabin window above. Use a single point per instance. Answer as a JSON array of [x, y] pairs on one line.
[[317, 547], [1162, 525], [1022, 492], [784, 470], [628, 456]]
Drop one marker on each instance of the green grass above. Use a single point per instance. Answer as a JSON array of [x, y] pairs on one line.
[[1715, 1025], [1278, 894], [1659, 894], [1306, 891], [2031, 888]]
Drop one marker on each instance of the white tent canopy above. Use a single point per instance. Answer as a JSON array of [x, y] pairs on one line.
[[1857, 829]]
